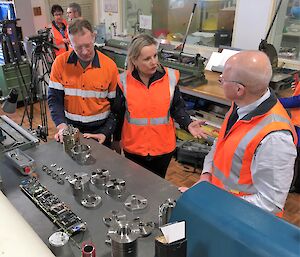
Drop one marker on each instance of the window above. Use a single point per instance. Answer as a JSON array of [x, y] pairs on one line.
[[290, 41], [212, 22]]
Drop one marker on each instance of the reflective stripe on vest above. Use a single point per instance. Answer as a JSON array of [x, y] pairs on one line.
[[56, 85], [85, 93], [86, 119], [82, 93], [152, 121], [232, 183]]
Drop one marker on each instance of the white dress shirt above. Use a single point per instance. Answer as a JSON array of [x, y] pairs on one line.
[[272, 166]]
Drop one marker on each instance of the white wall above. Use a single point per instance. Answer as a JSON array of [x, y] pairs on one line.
[[24, 12], [109, 18], [43, 20], [251, 22]]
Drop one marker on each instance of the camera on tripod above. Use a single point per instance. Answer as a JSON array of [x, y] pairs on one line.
[[3, 27], [43, 35]]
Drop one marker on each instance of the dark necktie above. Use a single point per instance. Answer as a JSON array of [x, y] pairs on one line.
[[232, 119]]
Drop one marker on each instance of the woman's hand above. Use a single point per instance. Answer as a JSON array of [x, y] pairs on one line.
[[196, 130], [100, 137]]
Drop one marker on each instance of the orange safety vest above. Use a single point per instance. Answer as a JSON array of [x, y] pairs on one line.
[[148, 128], [235, 150], [295, 112], [86, 91], [58, 39]]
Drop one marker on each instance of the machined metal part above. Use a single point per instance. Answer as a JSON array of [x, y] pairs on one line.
[[49, 172], [81, 153], [70, 138], [108, 240], [79, 183], [60, 180], [21, 161], [135, 202], [113, 216], [91, 200], [165, 211], [54, 175], [124, 237], [15, 136], [115, 187], [58, 242], [145, 228], [100, 178], [88, 249], [45, 168]]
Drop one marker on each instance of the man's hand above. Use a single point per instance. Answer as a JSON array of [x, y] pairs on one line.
[[59, 135], [196, 130], [204, 177], [100, 137]]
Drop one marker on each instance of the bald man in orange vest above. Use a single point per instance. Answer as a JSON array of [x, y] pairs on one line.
[[254, 155]]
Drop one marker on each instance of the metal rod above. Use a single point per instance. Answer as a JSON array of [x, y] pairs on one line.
[[272, 23], [188, 27]]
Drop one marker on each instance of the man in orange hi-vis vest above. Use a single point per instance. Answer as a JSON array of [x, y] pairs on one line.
[[254, 155], [82, 86]]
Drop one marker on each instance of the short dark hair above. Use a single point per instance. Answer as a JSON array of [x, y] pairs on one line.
[[78, 25], [75, 8], [56, 8]]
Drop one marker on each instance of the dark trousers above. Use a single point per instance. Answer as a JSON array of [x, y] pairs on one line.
[[157, 164], [296, 180]]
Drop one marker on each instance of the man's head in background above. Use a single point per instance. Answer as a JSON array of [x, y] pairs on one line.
[[73, 11]]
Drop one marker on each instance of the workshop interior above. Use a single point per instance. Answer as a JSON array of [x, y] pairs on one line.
[[80, 198]]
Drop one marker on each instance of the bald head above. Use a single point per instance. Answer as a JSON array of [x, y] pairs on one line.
[[252, 68]]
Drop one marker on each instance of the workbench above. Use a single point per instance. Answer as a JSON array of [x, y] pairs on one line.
[[139, 181], [212, 91]]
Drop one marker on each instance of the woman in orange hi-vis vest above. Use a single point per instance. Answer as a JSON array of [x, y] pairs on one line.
[[293, 103], [147, 100], [59, 30]]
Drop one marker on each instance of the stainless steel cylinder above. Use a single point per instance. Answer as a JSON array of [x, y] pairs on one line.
[[70, 138], [123, 239], [59, 243], [115, 187], [81, 153], [100, 178], [165, 211], [80, 184]]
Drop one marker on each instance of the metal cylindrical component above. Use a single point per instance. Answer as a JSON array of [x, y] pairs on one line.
[[115, 187], [88, 249], [81, 153], [70, 138], [100, 178], [59, 243], [123, 239], [165, 211], [79, 184]]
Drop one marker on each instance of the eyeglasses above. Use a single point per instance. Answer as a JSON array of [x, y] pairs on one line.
[[221, 81], [58, 14], [85, 46]]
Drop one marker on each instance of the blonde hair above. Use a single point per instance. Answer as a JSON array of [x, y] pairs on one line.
[[136, 46]]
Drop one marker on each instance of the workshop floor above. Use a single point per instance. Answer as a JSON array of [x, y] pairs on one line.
[[178, 174]]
